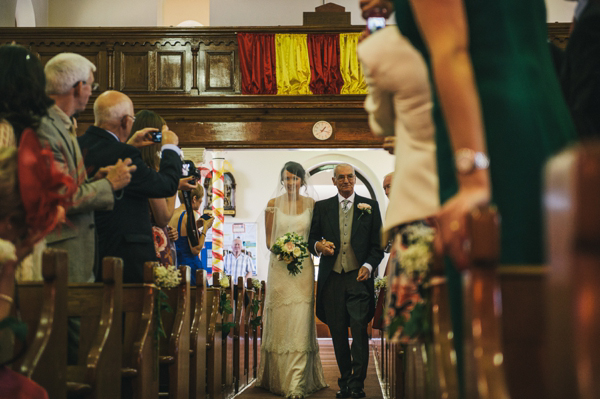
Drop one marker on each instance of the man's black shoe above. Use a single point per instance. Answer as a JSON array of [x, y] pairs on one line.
[[342, 393], [357, 393]]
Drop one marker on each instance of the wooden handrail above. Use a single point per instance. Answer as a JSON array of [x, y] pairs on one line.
[[110, 326], [54, 272]]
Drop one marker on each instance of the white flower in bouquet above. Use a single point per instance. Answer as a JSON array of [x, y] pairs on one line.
[[8, 252], [291, 248], [224, 282], [167, 277], [256, 283]]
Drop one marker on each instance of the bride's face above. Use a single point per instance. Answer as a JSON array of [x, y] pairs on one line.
[[292, 182]]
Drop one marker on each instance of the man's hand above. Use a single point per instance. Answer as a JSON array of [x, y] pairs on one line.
[[325, 247], [363, 274], [389, 143], [187, 183], [168, 137], [382, 8], [142, 138], [119, 175]]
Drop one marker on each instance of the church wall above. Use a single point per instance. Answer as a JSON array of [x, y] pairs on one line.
[[208, 12], [77, 13]]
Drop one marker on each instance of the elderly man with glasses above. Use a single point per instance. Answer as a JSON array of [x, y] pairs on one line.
[[69, 82], [126, 231]]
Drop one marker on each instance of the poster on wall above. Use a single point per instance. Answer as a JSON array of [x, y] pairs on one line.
[[245, 232]]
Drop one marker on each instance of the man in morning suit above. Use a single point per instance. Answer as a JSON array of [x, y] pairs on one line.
[[69, 82], [345, 232], [126, 231]]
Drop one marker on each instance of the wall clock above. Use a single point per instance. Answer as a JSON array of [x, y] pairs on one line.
[[322, 130]]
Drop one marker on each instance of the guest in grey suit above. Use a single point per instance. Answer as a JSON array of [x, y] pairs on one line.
[[69, 82], [345, 232]]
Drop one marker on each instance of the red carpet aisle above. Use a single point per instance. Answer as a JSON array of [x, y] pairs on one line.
[[372, 388]]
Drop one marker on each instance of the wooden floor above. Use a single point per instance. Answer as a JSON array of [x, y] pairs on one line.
[[372, 388]]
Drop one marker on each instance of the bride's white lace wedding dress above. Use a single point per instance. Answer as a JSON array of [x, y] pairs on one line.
[[290, 364]]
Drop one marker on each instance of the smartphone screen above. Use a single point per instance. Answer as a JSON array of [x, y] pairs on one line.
[[156, 136], [375, 23]]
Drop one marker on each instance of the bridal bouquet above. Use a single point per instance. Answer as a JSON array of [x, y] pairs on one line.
[[291, 248]]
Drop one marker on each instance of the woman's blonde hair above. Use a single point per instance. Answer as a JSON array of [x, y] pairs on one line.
[[197, 192]]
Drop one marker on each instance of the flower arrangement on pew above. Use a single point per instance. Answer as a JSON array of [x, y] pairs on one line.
[[256, 319], [225, 308], [380, 283], [164, 277], [408, 313], [292, 249]]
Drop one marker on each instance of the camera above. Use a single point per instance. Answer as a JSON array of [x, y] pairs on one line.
[[156, 136], [375, 23], [189, 169]]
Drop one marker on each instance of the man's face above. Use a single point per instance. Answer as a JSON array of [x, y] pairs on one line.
[[82, 96], [237, 247], [387, 184], [344, 181]]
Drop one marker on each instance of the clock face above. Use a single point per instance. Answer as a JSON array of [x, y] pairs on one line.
[[322, 130]]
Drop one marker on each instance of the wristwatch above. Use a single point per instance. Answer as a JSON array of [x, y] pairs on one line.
[[467, 161]]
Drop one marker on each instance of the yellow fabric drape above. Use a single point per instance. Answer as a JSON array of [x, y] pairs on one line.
[[292, 66], [351, 68]]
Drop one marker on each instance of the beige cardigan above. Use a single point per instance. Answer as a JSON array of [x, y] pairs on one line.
[[399, 102]]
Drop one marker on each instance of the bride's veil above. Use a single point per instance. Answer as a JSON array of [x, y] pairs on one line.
[[293, 195]]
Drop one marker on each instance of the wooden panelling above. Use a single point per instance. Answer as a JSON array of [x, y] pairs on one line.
[[191, 77], [219, 71], [133, 71], [170, 71]]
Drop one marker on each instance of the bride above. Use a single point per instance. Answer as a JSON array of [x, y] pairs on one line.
[[290, 364]]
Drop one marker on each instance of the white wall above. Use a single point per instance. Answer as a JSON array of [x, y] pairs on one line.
[[271, 12], [256, 174], [177, 11], [101, 13], [222, 12]]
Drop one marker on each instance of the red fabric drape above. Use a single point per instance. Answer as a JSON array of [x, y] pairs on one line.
[[257, 63], [324, 55]]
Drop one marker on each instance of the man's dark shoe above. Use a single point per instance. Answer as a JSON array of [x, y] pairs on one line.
[[342, 393], [357, 393]]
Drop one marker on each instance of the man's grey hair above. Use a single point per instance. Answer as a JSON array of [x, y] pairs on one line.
[[64, 70], [340, 165], [111, 114]]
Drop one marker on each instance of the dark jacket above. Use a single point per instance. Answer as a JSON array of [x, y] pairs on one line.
[[126, 231], [365, 241]]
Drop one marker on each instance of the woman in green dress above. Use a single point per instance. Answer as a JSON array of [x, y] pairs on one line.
[[496, 99]]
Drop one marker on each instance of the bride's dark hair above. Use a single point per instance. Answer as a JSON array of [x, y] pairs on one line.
[[296, 169]]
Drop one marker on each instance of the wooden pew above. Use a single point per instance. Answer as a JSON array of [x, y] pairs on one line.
[[258, 333], [140, 357], [99, 307], [443, 357], [43, 308], [240, 378], [572, 201], [198, 337], [249, 334], [484, 359], [175, 348], [213, 344], [227, 344]]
